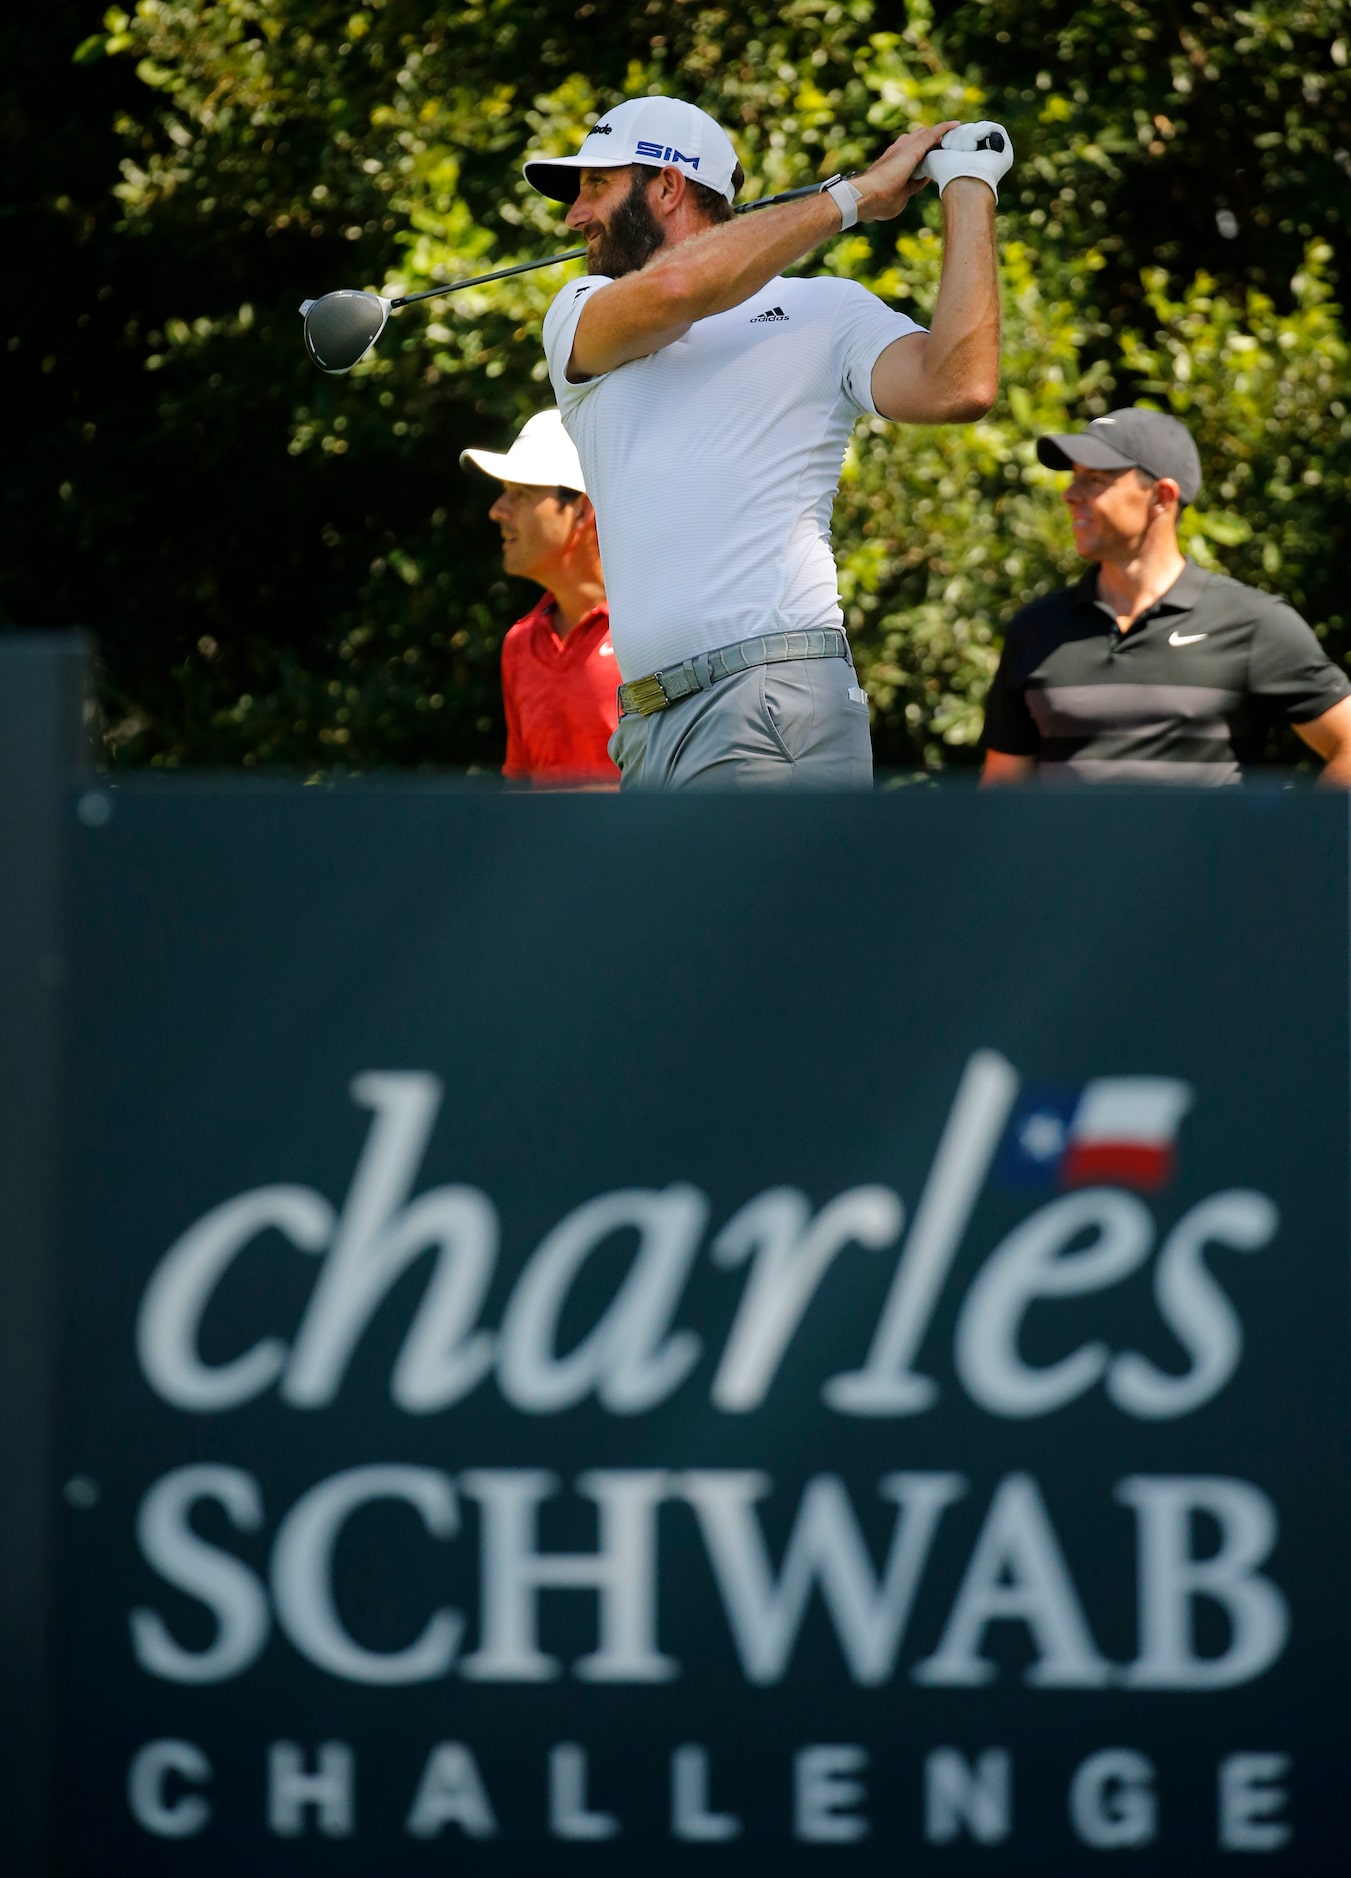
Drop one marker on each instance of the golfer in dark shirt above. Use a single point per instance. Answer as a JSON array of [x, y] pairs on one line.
[[1152, 669]]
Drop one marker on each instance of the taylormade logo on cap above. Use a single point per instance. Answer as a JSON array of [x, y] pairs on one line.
[[661, 132]]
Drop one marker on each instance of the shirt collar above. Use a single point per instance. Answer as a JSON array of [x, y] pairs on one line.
[[598, 616], [541, 612], [543, 615], [1181, 597]]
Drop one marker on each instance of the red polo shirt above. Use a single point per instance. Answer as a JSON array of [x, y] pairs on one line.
[[560, 699]]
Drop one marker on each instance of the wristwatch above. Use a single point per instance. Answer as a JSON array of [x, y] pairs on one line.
[[845, 197]]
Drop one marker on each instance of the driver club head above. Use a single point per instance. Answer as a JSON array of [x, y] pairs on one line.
[[341, 327]]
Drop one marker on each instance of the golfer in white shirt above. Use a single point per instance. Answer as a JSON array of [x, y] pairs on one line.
[[711, 401]]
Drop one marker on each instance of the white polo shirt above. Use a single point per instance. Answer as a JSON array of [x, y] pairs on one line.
[[713, 464]]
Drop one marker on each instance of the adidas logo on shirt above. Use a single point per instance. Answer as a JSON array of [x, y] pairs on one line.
[[775, 313]]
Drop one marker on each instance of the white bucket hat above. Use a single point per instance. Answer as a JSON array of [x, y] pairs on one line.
[[543, 456], [665, 132]]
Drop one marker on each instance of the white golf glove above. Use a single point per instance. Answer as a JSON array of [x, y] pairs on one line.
[[959, 155]]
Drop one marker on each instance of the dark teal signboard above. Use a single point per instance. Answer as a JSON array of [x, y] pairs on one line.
[[706, 1335]]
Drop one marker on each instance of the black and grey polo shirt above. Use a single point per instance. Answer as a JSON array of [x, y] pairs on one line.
[[1187, 694]]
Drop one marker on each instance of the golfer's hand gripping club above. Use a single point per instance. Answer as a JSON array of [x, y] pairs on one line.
[[936, 153], [983, 150]]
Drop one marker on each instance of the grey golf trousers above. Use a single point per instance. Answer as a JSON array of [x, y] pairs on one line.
[[802, 724]]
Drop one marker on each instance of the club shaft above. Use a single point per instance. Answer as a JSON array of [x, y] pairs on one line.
[[479, 280], [786, 195]]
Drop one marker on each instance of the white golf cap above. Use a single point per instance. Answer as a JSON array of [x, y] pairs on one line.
[[664, 132], [543, 456]]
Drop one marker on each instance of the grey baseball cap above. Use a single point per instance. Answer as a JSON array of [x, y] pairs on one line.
[[1130, 439]]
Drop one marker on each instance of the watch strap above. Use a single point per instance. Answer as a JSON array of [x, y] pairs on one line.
[[845, 197]]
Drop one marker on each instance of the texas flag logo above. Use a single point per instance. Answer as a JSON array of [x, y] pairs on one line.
[[1117, 1131]]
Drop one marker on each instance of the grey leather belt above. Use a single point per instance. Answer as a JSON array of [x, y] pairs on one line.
[[660, 689]]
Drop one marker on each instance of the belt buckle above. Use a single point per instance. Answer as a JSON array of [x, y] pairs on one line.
[[647, 695]]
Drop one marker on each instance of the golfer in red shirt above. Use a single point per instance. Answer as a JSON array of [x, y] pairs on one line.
[[558, 666]]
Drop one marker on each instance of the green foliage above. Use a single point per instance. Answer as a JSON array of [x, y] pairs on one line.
[[1266, 394], [288, 569], [1187, 133]]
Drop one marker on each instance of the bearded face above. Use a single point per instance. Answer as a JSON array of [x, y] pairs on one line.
[[631, 236]]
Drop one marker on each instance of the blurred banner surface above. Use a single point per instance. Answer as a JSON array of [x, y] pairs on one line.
[[43, 750], [724, 1334]]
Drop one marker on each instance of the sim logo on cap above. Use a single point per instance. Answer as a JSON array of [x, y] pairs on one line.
[[669, 155]]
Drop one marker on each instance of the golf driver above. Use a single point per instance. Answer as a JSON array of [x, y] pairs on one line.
[[341, 327]]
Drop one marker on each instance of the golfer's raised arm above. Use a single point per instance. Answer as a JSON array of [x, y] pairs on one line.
[[950, 375], [700, 271]]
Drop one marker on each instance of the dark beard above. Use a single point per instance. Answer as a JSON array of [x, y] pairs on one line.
[[633, 236]]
